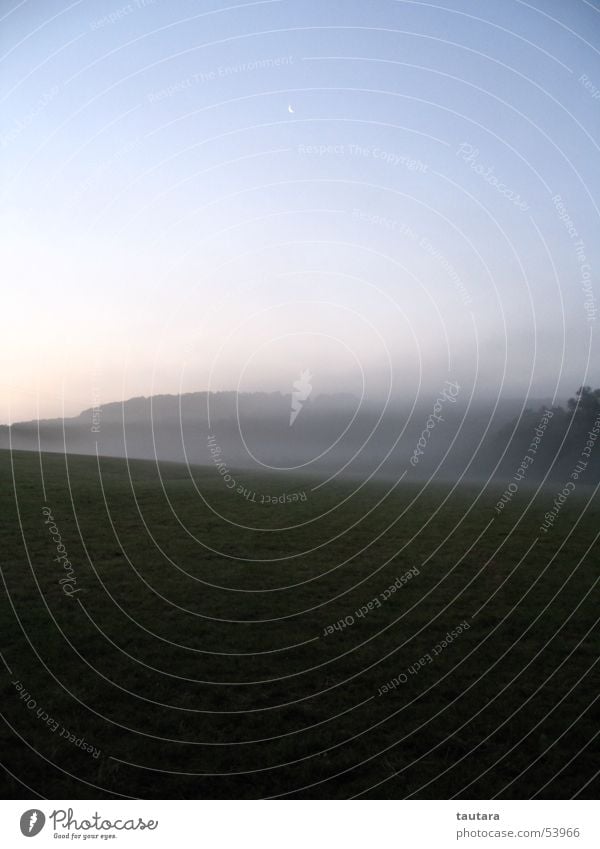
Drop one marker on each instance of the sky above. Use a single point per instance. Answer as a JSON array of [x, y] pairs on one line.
[[218, 195]]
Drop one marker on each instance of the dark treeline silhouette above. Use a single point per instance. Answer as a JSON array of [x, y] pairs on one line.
[[556, 439], [475, 441]]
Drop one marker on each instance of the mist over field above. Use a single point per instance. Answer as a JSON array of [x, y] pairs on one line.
[[330, 435]]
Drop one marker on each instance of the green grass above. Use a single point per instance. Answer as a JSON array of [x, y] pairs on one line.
[[193, 655]]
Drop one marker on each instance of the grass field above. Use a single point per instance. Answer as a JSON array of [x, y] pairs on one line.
[[195, 655]]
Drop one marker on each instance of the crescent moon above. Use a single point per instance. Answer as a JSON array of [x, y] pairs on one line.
[[290, 110]]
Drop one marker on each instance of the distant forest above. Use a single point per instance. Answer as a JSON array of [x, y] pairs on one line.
[[541, 443], [558, 437]]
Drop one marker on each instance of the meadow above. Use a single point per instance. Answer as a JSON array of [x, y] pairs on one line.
[[167, 635]]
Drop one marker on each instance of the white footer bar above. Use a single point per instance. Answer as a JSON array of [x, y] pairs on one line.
[[301, 824]]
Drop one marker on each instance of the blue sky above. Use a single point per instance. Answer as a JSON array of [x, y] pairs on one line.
[[210, 195]]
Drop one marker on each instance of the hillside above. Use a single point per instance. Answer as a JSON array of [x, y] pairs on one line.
[[333, 433]]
